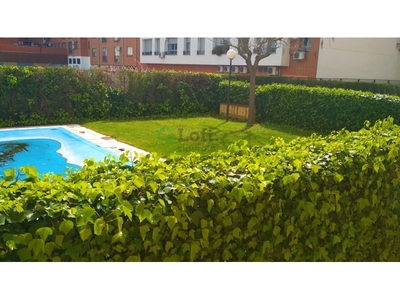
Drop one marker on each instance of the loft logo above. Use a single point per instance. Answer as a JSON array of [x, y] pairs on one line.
[[205, 135], [167, 135]]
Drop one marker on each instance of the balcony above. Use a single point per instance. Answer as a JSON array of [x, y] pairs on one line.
[[187, 52], [200, 52], [171, 52], [147, 53]]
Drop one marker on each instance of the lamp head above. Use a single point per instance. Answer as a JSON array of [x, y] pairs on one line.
[[231, 54]]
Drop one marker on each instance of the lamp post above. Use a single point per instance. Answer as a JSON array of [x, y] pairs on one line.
[[231, 54]]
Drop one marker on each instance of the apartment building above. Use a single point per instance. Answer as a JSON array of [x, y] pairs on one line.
[[114, 53], [32, 52], [200, 55], [353, 59]]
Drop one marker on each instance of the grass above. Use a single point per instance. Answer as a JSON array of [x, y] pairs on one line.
[[195, 134]]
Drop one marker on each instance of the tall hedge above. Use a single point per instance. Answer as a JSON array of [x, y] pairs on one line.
[[38, 96], [333, 198]]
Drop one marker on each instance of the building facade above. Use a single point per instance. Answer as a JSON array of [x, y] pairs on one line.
[[32, 52], [114, 53], [354, 59]]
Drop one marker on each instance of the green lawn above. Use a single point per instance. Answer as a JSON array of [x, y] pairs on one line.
[[184, 135]]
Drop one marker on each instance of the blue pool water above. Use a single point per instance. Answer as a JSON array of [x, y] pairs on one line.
[[49, 149]]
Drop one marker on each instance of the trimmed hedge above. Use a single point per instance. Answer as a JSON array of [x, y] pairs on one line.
[[39, 96], [377, 88], [333, 198]]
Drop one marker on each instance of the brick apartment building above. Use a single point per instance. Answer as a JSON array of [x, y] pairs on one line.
[[32, 52]]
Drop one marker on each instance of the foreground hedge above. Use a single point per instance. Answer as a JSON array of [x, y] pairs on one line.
[[333, 198]]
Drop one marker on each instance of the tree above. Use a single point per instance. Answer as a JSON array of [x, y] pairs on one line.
[[253, 50]]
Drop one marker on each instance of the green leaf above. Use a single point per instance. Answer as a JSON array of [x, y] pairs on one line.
[[168, 245], [153, 186], [172, 221], [66, 226], [24, 239], [278, 240], [133, 258], [295, 176], [37, 245], [49, 247], [210, 204], [44, 232], [85, 234], [9, 174], [276, 230], [205, 233], [2, 219], [338, 178], [238, 193], [289, 229], [59, 239], [298, 164], [203, 223], [120, 221], [143, 231], [336, 239], [12, 244], [237, 232], [155, 233], [127, 208], [139, 182], [25, 254], [98, 226], [194, 249], [252, 222]]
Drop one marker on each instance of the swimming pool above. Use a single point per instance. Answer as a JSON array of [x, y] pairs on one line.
[[49, 149]]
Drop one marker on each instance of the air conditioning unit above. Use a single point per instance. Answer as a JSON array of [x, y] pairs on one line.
[[243, 70], [299, 55], [220, 69], [161, 55], [272, 71], [235, 69]]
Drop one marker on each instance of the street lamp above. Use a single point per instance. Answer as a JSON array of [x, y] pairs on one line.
[[231, 54]]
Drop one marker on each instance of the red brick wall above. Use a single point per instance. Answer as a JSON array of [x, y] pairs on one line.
[[306, 68], [124, 60]]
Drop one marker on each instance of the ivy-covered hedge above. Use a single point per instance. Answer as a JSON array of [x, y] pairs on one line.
[[333, 198], [317, 109], [38, 96], [377, 88]]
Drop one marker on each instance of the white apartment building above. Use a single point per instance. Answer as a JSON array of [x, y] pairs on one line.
[[201, 51]]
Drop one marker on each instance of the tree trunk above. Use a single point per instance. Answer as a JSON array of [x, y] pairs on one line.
[[252, 98]]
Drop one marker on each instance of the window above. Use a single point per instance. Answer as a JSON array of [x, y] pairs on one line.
[[306, 44], [104, 54], [220, 46], [70, 61], [64, 45], [263, 44], [220, 41], [116, 39], [103, 40], [172, 46], [116, 53], [186, 47], [94, 52], [147, 47], [129, 51], [78, 61], [201, 42], [157, 47], [74, 61]]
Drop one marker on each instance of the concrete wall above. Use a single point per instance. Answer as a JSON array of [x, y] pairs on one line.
[[359, 58]]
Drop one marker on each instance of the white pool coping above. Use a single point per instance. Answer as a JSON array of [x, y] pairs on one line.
[[102, 140]]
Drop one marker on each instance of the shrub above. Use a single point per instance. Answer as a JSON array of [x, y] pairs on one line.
[[331, 198]]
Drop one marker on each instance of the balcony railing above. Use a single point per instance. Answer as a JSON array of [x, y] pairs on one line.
[[147, 53], [171, 52], [200, 52], [187, 52]]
